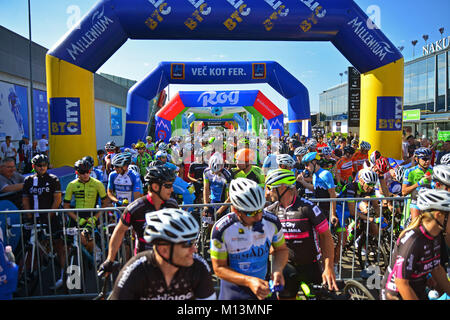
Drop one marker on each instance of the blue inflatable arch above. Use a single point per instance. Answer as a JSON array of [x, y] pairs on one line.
[[269, 72]]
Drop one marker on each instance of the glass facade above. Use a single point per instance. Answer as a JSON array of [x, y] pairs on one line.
[[334, 103]]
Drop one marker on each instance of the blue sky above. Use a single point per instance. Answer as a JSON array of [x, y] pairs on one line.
[[316, 64]]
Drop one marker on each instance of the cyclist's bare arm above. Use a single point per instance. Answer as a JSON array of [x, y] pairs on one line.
[[280, 259], [111, 196], [408, 189], [116, 240], [405, 289], [440, 276], [206, 192], [70, 213], [57, 198], [327, 247]]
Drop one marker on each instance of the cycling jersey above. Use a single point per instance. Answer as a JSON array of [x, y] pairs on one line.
[[245, 248], [322, 182], [123, 186], [415, 255], [41, 189], [134, 215], [345, 169], [355, 190], [254, 174], [218, 184], [412, 176], [97, 174], [300, 221], [141, 279], [86, 194], [142, 162], [359, 158]]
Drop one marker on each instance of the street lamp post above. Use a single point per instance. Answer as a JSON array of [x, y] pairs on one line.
[[414, 42]]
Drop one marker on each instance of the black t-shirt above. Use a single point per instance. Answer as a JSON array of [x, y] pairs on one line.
[[134, 215], [41, 189], [196, 170], [142, 279]]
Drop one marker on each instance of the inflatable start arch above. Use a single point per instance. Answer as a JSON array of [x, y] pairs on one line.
[[253, 101], [72, 62]]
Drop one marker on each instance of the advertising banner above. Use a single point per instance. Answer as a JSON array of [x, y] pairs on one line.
[[354, 97], [116, 121], [13, 111], [40, 113], [389, 113], [65, 118]]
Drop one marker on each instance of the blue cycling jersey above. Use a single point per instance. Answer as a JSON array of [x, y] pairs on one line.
[[125, 185], [8, 274], [218, 184], [245, 248]]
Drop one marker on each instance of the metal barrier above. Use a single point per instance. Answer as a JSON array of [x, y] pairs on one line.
[[40, 272]]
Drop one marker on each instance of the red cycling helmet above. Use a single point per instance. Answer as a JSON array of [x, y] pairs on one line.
[[382, 164]]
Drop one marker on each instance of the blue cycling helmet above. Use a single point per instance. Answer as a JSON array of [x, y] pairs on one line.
[[422, 152], [326, 151], [121, 159], [310, 156]]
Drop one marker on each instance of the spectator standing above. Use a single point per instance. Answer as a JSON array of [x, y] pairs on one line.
[[24, 153], [43, 145], [11, 181], [8, 151]]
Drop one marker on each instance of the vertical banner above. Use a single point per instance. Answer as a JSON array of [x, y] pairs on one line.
[[354, 97], [116, 121], [40, 111], [13, 111], [65, 117], [389, 114]]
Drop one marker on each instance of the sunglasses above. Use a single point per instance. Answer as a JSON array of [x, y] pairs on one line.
[[83, 172], [41, 165], [252, 213], [188, 244], [425, 159], [370, 185], [168, 185]]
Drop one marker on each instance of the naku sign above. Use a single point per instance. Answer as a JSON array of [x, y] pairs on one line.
[[389, 113], [65, 118]]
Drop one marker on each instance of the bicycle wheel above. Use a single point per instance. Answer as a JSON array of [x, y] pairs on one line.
[[357, 291]]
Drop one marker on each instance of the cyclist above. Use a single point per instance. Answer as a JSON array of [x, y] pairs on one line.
[[416, 253], [124, 186], [86, 191], [171, 270], [159, 180], [142, 159], [344, 167], [364, 187], [150, 146], [42, 190], [196, 170], [416, 178], [301, 221], [244, 168], [216, 179], [445, 159], [285, 161], [361, 156], [111, 149], [95, 173], [241, 242]]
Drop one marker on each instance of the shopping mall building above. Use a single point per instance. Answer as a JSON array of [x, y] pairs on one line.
[[426, 105]]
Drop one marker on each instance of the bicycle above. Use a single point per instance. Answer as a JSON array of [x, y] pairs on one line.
[[105, 293], [348, 290]]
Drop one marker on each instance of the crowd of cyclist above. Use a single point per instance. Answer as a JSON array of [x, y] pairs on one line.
[[271, 211]]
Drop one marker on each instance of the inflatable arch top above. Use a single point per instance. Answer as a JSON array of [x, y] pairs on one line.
[[269, 72], [107, 26], [191, 100]]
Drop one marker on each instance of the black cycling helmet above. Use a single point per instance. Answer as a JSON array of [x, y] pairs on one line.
[[40, 158], [82, 165], [159, 174], [349, 149], [155, 163], [89, 159]]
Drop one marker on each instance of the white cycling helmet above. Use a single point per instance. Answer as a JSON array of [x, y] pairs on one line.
[[246, 195], [445, 159], [368, 176], [365, 145], [301, 151], [134, 168], [216, 162], [160, 154], [172, 225], [399, 173], [163, 146], [441, 173], [429, 199], [285, 159]]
